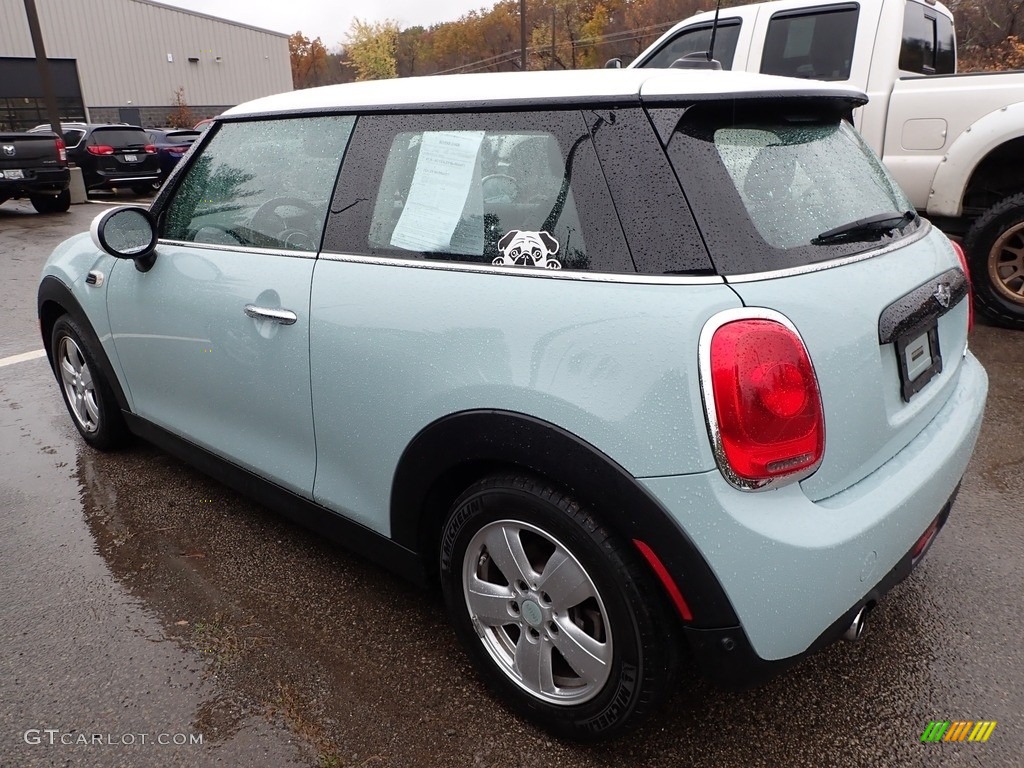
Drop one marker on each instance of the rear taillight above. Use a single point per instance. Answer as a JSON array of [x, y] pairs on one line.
[[150, 149], [970, 287], [62, 152], [100, 149], [177, 151], [765, 413]]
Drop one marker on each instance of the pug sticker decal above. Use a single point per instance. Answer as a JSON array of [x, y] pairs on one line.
[[528, 249]]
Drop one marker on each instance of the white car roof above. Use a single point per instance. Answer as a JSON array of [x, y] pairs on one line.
[[573, 86]]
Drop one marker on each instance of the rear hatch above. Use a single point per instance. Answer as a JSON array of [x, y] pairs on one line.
[[122, 151], [801, 218]]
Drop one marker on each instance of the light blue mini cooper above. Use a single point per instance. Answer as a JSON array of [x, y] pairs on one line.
[[634, 366]]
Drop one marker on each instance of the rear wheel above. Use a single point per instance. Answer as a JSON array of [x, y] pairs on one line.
[[995, 248], [87, 393], [560, 617], [145, 189], [51, 203]]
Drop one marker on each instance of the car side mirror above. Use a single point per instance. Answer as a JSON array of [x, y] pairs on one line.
[[127, 232], [615, 63]]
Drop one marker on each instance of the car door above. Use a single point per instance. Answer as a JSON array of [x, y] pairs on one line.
[[214, 338]]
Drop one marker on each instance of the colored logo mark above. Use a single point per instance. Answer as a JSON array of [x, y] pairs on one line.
[[958, 730]]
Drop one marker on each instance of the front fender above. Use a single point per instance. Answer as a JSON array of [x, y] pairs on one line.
[[61, 293], [966, 153]]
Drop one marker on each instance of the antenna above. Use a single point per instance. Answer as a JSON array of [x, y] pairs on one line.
[[714, 29]]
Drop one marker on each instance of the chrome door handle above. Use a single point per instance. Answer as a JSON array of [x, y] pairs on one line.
[[282, 316]]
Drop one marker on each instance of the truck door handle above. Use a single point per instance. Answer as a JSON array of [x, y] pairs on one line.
[[282, 316]]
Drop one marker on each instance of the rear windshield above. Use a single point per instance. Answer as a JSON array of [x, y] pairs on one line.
[[779, 183], [118, 137]]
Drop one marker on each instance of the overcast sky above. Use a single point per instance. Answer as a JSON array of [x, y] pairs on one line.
[[330, 19]]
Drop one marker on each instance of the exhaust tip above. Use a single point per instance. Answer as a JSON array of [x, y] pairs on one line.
[[856, 628]]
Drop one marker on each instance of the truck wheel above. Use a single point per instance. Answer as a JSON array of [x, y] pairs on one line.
[[995, 249], [52, 203], [559, 616]]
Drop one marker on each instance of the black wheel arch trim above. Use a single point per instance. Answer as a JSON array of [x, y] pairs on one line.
[[53, 292], [454, 451]]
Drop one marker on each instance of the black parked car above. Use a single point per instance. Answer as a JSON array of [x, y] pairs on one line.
[[111, 155], [171, 145]]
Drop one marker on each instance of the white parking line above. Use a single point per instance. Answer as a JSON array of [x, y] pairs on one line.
[[22, 358]]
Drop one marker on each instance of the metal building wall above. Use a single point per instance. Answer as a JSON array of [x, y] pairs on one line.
[[122, 49]]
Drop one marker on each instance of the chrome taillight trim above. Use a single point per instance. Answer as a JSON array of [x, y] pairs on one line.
[[707, 391]]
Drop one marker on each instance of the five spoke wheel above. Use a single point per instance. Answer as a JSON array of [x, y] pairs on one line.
[[78, 385], [538, 612]]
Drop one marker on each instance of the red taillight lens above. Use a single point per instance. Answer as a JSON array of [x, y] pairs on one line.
[[62, 152], [767, 402], [150, 149], [970, 287], [177, 151], [100, 149]]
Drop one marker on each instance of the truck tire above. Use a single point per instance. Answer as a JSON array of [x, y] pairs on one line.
[[995, 250], [52, 203]]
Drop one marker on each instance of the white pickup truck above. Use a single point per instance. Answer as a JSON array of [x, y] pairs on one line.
[[954, 142]]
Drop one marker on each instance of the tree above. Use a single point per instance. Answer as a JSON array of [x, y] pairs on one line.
[[182, 116], [371, 49], [309, 59]]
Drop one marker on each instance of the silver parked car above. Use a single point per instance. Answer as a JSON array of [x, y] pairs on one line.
[[624, 364]]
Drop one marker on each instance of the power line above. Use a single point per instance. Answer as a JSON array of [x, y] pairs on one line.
[[612, 37]]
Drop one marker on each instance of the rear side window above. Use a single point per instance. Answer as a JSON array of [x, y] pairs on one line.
[[519, 190], [261, 184], [929, 45], [118, 138], [698, 39], [766, 183], [816, 44]]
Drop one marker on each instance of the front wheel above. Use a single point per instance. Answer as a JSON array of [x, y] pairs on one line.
[[995, 248], [87, 394], [560, 617]]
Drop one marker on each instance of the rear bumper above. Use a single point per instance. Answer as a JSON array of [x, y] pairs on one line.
[[46, 181], [797, 571], [105, 179], [727, 657]]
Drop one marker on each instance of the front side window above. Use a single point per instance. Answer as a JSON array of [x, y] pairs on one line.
[[698, 39], [261, 184], [522, 191], [816, 44]]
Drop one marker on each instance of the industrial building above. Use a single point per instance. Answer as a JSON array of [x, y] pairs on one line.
[[124, 61]]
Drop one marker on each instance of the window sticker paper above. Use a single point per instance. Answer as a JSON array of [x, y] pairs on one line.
[[442, 195]]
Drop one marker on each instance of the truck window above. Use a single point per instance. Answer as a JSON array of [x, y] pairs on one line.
[[929, 47], [814, 44], [698, 38]]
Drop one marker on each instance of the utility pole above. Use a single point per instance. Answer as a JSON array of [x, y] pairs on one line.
[[552, 65], [44, 66], [522, 35]]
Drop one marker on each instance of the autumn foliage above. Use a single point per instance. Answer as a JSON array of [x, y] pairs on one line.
[[575, 34]]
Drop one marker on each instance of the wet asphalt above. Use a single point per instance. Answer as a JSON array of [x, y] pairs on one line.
[[141, 602]]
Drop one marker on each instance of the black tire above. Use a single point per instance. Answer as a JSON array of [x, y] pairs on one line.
[[995, 251], [622, 618], [87, 394], [143, 190], [52, 203]]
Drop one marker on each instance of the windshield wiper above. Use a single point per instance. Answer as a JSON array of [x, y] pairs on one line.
[[867, 228]]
